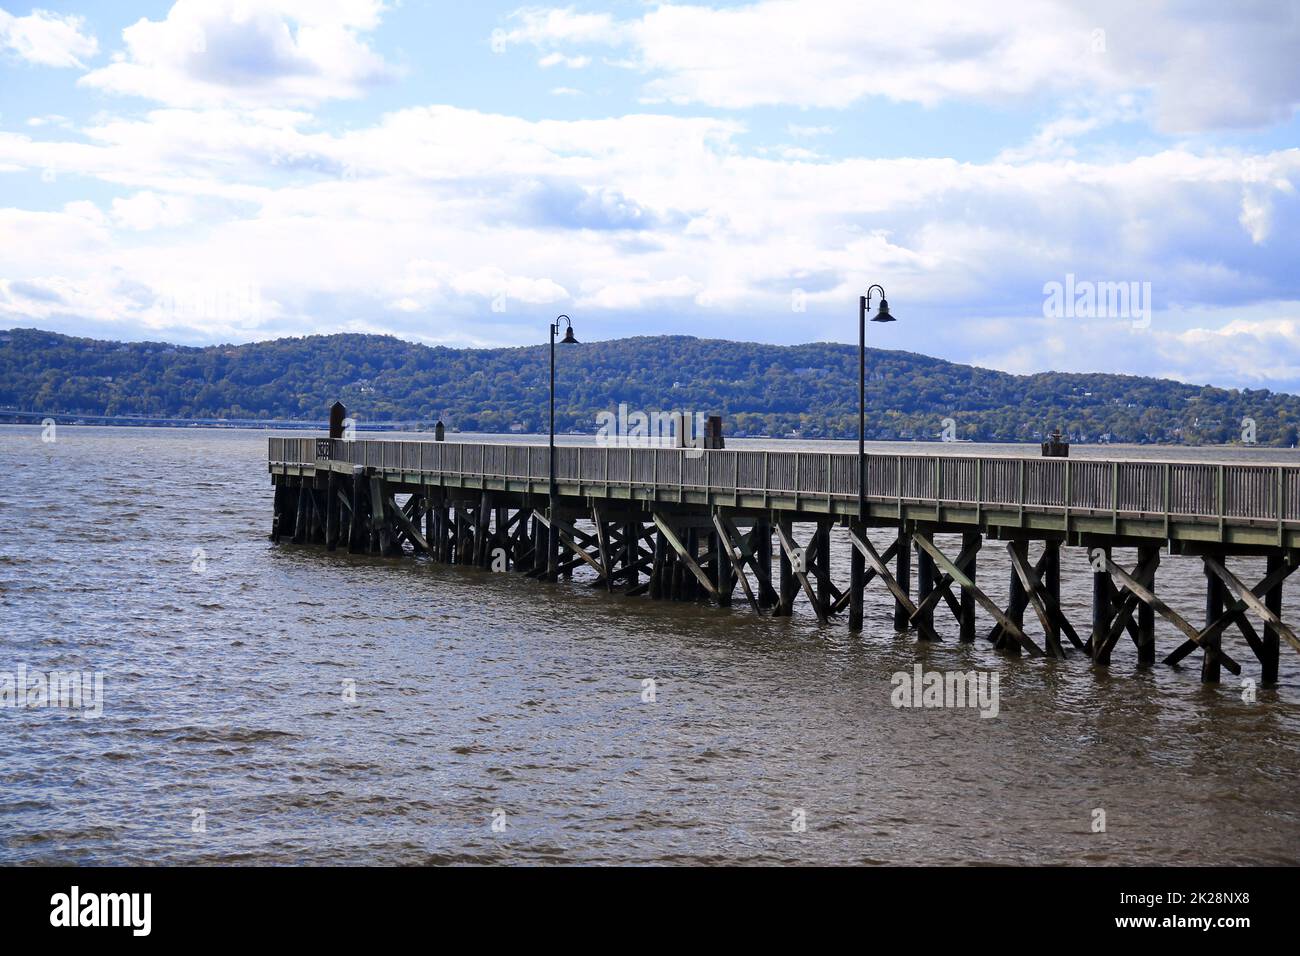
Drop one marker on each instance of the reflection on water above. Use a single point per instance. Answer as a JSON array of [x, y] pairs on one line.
[[477, 693]]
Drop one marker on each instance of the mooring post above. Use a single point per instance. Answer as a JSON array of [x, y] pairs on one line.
[[1271, 643], [925, 578], [1146, 615], [903, 577], [1214, 591], [857, 579], [970, 541]]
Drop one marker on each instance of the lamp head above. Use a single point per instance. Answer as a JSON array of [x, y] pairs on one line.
[[882, 315], [568, 337]]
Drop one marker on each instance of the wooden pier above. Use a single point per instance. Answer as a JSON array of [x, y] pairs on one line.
[[691, 524]]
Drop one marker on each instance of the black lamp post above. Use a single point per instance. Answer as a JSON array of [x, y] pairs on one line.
[[864, 303], [552, 535]]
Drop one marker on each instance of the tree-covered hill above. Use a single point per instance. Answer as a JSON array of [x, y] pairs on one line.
[[759, 389]]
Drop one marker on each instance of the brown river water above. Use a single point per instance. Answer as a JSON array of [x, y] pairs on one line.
[[280, 705]]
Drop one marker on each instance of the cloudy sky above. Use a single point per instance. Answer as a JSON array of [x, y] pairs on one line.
[[228, 170]]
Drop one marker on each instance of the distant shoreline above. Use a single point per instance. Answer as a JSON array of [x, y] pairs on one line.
[[32, 419]]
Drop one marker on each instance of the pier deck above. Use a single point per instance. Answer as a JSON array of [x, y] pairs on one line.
[[700, 523]]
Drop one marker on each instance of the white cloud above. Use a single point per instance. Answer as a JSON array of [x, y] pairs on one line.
[[424, 221], [1204, 66], [149, 210], [248, 53], [559, 59], [47, 39]]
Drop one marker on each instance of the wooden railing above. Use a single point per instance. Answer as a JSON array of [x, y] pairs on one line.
[[1181, 489]]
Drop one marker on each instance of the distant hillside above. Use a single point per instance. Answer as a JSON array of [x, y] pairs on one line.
[[759, 389]]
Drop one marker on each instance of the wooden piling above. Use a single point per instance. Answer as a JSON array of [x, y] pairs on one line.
[[1052, 585], [903, 577], [857, 582], [1211, 663], [788, 585], [1017, 598], [1145, 638], [332, 508], [1270, 644], [972, 541], [925, 578]]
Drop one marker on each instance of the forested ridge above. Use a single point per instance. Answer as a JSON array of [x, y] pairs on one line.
[[761, 390]]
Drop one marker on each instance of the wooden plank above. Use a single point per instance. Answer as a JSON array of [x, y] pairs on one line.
[[409, 527], [943, 587], [1164, 610], [738, 563], [1251, 599], [1009, 626], [565, 533], [873, 558], [1040, 598], [800, 571], [682, 553]]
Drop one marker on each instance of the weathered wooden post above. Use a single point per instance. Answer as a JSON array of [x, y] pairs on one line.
[[357, 523], [724, 579], [1102, 614], [277, 513], [767, 596], [338, 414], [631, 554], [304, 514], [1211, 663], [788, 584], [657, 568], [857, 579], [1271, 643], [925, 580], [903, 577], [1146, 615], [1016, 600], [821, 547], [1052, 584], [970, 541], [331, 511]]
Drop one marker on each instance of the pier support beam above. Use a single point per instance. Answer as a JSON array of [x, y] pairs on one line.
[[925, 577], [1146, 617], [331, 512], [1211, 665], [903, 578], [857, 580], [1268, 657], [971, 541]]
